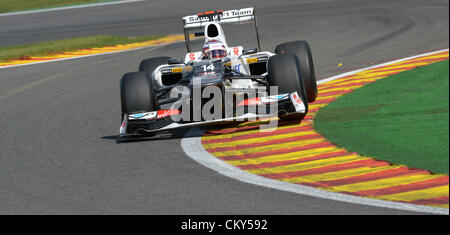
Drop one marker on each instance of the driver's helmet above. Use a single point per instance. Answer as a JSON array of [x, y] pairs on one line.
[[214, 50]]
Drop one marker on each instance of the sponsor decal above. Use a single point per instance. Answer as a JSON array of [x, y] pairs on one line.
[[215, 46], [253, 101], [167, 113], [225, 15], [237, 67], [191, 56], [252, 60], [177, 70], [123, 127], [267, 99], [274, 98], [297, 102], [142, 116], [138, 115], [235, 50]]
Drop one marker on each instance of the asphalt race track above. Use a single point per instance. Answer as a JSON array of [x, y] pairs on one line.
[[59, 121]]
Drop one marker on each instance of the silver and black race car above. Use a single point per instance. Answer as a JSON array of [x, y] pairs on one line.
[[219, 83]]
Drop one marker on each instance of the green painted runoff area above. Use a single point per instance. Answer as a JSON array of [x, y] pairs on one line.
[[403, 119]]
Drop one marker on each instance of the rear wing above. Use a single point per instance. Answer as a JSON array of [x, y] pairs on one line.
[[232, 16], [199, 20]]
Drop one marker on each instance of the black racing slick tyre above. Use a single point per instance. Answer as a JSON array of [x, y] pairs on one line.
[[151, 64], [303, 52], [284, 72], [136, 93]]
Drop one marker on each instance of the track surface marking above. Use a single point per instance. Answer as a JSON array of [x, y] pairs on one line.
[[295, 153], [90, 52]]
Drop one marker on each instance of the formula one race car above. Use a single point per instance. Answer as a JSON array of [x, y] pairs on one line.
[[219, 83]]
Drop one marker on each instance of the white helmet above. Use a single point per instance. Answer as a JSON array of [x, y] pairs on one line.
[[214, 49]]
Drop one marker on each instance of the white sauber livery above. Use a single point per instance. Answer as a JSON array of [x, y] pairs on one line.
[[284, 79]]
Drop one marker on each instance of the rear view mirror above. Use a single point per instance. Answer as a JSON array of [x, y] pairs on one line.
[[249, 51], [175, 61]]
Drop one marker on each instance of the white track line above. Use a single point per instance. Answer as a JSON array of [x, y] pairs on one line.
[[69, 7], [192, 146]]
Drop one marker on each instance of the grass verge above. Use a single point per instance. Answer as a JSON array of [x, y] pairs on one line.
[[403, 119], [23, 5], [71, 44]]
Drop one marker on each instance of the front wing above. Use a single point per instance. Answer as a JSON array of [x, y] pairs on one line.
[[141, 124]]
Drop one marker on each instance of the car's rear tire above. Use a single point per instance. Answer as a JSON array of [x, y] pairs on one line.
[[284, 72], [136, 93], [303, 52], [149, 65]]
